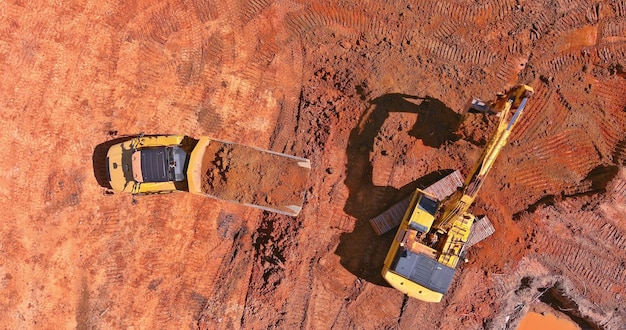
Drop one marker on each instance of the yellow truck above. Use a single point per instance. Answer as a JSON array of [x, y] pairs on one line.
[[229, 171], [434, 231]]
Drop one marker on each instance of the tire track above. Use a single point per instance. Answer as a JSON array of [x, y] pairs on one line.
[[535, 115], [570, 3], [360, 20], [179, 277], [154, 28], [502, 8], [618, 190], [610, 133], [11, 238], [189, 65], [252, 8], [114, 268], [110, 223], [290, 107], [10, 13], [614, 236], [322, 308], [619, 7], [587, 264], [467, 12], [508, 71], [348, 18], [458, 54], [564, 63], [296, 315], [163, 311], [161, 23], [63, 190], [575, 18], [540, 25], [216, 51], [215, 48], [611, 92], [152, 262], [545, 175], [456, 11], [445, 29], [153, 65], [612, 28], [534, 180], [381, 172], [237, 260], [567, 147], [508, 284], [301, 22], [188, 93], [611, 95], [186, 64], [612, 53], [118, 20], [205, 10], [593, 224], [258, 68], [618, 154], [562, 112]]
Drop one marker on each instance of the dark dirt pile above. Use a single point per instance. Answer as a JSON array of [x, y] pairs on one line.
[[246, 175]]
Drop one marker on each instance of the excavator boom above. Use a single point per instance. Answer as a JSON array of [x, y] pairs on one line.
[[509, 110]]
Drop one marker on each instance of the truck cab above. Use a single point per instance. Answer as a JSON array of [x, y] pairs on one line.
[[145, 165]]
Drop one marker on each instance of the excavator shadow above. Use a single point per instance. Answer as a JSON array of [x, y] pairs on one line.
[[361, 251]]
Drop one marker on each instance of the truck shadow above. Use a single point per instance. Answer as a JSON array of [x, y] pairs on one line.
[[361, 251]]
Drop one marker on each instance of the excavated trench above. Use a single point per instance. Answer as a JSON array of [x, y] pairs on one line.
[[556, 298]]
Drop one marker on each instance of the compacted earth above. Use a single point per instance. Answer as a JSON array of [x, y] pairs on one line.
[[374, 94]]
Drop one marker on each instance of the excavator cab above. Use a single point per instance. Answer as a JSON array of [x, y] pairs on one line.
[[423, 207]]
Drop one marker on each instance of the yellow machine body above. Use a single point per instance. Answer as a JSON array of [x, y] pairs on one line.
[[168, 163], [123, 164]]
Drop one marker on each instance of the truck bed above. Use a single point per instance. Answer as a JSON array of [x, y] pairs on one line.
[[247, 175]]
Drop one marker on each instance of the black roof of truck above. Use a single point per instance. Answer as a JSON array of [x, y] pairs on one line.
[[162, 164], [155, 165]]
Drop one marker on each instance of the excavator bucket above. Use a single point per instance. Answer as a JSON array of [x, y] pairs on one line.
[[250, 176]]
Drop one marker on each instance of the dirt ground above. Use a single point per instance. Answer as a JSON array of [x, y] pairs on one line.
[[372, 93]]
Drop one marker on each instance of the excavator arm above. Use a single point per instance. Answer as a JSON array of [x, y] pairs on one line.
[[509, 109]]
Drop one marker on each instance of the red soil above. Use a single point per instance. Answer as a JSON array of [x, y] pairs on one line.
[[372, 93]]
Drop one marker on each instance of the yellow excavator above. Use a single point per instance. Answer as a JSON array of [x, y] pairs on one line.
[[434, 232]]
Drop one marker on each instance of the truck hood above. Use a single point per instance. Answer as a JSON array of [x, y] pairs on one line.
[[120, 168]]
